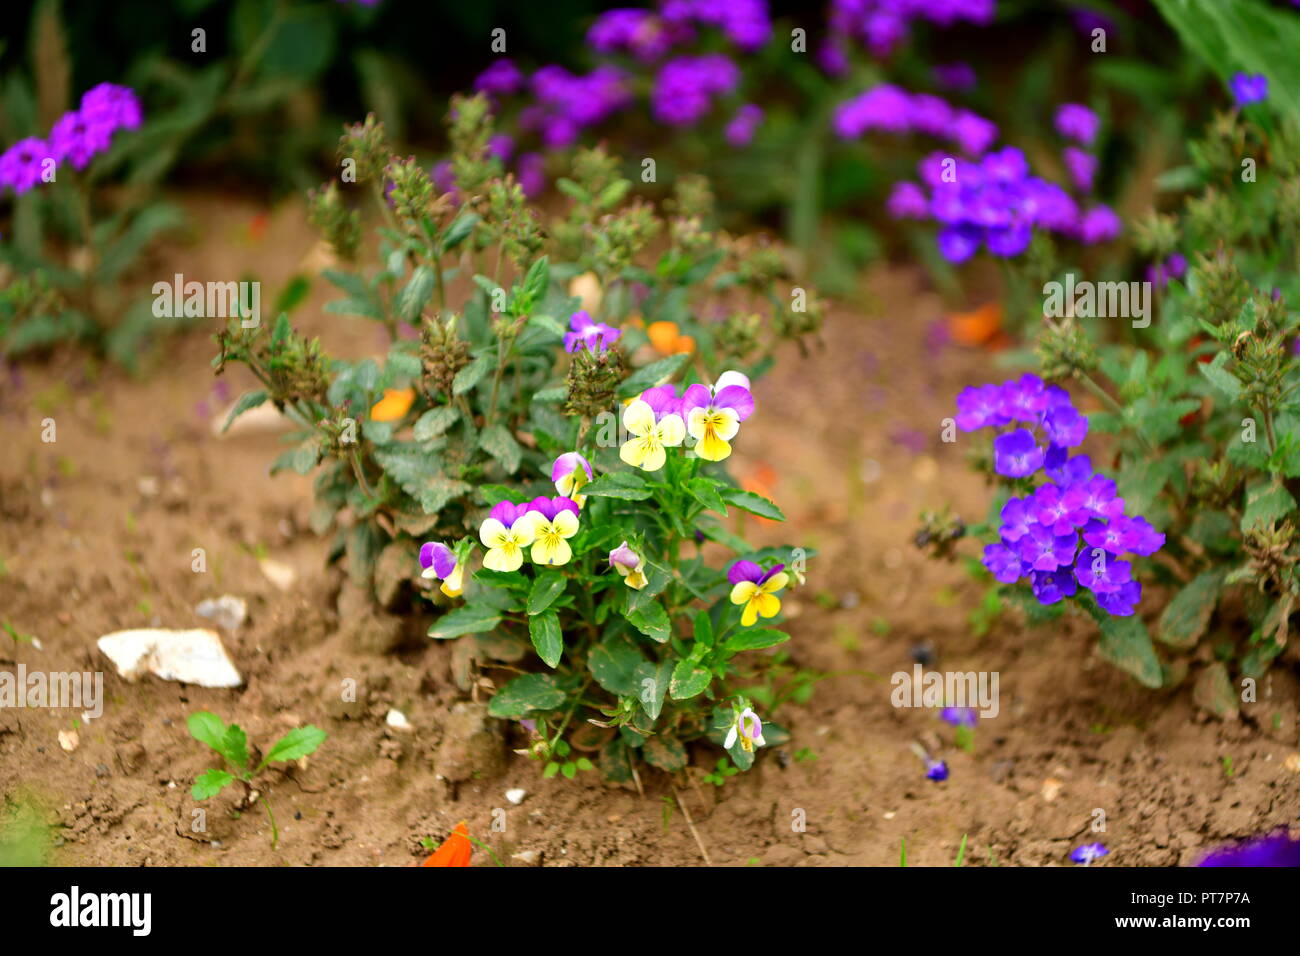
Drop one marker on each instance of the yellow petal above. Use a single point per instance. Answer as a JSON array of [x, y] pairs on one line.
[[775, 583], [672, 431], [713, 448], [633, 451], [750, 614], [492, 533], [742, 591], [639, 418], [565, 524], [505, 558], [768, 605], [551, 549], [635, 579]]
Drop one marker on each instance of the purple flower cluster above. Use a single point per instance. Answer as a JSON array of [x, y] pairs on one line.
[[566, 103], [996, 202], [883, 24], [1160, 274], [686, 85], [744, 22], [892, 109], [1249, 88], [637, 32], [1275, 849], [741, 128], [76, 137], [1040, 532]]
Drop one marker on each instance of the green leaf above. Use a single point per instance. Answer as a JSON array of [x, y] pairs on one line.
[[470, 619], [544, 629], [703, 628], [247, 401], [471, 374], [1220, 377], [651, 620], [525, 695], [295, 745], [707, 492], [755, 638], [434, 422], [1185, 617], [689, 680], [613, 662], [664, 752], [652, 681], [547, 586], [415, 295], [1126, 644], [459, 230], [497, 441], [1213, 690], [619, 484], [210, 783], [754, 504], [206, 727], [651, 375], [234, 746], [1266, 503]]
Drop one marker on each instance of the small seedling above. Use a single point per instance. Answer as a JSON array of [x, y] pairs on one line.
[[231, 743], [719, 776], [1227, 767], [569, 768], [961, 850], [805, 755], [13, 633]]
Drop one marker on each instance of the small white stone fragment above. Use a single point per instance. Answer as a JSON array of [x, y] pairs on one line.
[[278, 573], [397, 720], [69, 740], [227, 612], [189, 656], [516, 796]]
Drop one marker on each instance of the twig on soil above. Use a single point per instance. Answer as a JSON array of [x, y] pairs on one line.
[[691, 823]]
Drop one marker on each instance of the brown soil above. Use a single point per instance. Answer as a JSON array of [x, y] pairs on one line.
[[852, 432]]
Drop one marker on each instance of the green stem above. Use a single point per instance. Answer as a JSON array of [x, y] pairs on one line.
[[275, 831]]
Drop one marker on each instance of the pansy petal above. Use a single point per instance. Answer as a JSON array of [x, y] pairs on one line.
[[742, 591], [507, 558], [638, 418], [737, 398], [492, 533], [672, 431], [697, 396], [744, 571], [728, 378], [552, 550]]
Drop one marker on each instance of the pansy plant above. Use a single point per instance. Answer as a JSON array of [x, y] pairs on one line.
[[467, 471]]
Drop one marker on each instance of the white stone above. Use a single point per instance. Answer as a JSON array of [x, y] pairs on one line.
[[397, 720], [189, 656], [278, 573], [227, 612], [68, 740], [516, 796]]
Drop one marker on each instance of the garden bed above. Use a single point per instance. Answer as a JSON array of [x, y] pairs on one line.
[[97, 535]]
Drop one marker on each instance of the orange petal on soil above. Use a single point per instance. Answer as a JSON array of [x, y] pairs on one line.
[[663, 336], [395, 403], [455, 850], [979, 327], [257, 226]]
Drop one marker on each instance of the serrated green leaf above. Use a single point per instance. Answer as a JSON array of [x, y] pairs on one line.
[[415, 294], [206, 727], [1185, 617], [689, 680], [246, 402], [619, 484], [651, 620], [210, 783], [613, 662], [1126, 644], [652, 374], [1220, 377], [754, 504], [295, 745], [755, 638], [1266, 503], [434, 422], [471, 374], [665, 752], [497, 441]]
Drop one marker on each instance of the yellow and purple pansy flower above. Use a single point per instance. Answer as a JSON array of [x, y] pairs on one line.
[[439, 563], [508, 529], [746, 729], [755, 590], [555, 521], [655, 423], [630, 565], [713, 414], [570, 472]]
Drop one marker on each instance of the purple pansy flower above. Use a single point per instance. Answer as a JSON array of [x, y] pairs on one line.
[[439, 561], [570, 472]]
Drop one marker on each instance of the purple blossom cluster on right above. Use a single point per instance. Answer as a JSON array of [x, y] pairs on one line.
[[1072, 529], [76, 137], [995, 202]]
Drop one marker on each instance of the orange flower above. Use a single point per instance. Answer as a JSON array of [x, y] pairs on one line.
[[983, 326], [668, 339], [395, 403], [455, 850]]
